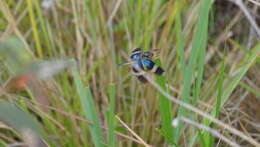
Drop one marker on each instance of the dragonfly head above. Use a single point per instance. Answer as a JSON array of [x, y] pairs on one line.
[[136, 56]]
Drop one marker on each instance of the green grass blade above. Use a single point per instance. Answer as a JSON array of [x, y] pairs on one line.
[[112, 141], [250, 89], [200, 74], [44, 29], [2, 143], [180, 41], [233, 82], [205, 136], [220, 89], [35, 30], [225, 92], [198, 45], [165, 110], [90, 111], [14, 116]]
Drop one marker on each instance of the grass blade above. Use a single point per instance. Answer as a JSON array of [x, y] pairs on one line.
[[90, 111], [165, 110], [30, 5], [15, 117], [198, 45], [111, 120], [206, 136], [232, 82]]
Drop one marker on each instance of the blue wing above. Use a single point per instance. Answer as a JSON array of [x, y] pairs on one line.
[[148, 64], [144, 64]]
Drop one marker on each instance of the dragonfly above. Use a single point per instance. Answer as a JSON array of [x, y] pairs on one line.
[[142, 62]]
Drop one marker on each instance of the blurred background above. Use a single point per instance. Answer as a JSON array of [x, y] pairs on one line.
[[61, 84]]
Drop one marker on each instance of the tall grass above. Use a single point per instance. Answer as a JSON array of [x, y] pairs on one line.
[[201, 50], [112, 140], [88, 105]]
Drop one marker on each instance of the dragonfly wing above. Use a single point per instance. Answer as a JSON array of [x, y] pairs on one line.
[[150, 65]]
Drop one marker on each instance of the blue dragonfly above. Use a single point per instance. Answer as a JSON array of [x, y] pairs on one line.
[[142, 62]]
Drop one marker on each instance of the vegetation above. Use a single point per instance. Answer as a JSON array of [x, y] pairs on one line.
[[61, 84]]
